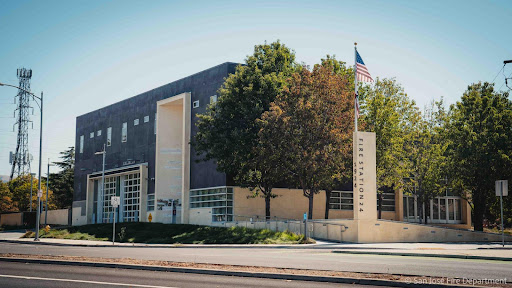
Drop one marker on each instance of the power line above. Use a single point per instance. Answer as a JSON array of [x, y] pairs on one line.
[[503, 67]]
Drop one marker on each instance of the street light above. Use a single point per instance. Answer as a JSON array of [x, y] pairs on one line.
[[40, 151], [104, 152], [47, 188]]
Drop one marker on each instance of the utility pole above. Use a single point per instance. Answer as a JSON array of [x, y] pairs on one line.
[[47, 189], [31, 177], [509, 78]]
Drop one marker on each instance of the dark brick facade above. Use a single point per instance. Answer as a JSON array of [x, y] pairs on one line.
[[140, 147]]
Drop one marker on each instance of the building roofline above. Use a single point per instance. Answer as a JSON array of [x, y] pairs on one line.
[[159, 87]]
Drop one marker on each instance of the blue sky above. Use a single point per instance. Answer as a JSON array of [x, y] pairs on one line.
[[88, 54]]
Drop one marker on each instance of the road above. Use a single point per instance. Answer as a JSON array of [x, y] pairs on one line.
[[286, 258], [55, 276]]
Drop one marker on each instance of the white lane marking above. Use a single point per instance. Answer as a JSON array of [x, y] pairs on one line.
[[83, 281]]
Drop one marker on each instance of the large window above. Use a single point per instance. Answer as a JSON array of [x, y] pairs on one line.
[[445, 209], [109, 136], [219, 199], [131, 199], [110, 190], [81, 143], [124, 132], [341, 200]]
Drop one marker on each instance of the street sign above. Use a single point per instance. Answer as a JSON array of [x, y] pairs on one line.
[[305, 216], [40, 193], [115, 201], [502, 190], [501, 186]]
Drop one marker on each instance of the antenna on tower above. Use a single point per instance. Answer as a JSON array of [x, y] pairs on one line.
[[20, 159]]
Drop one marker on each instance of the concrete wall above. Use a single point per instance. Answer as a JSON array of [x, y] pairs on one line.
[[56, 217], [11, 219], [173, 154]]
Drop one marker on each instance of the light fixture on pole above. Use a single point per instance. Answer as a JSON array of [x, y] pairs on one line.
[[40, 151], [100, 199]]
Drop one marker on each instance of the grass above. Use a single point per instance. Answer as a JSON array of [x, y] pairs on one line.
[[157, 233]]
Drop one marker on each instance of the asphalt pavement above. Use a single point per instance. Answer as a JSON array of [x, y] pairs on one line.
[[319, 259], [56, 276]]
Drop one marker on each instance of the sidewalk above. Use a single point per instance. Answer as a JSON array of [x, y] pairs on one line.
[[489, 251]]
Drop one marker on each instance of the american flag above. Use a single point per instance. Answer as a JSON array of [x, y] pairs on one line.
[[362, 73]]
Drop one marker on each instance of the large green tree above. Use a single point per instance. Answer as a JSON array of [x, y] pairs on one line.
[[62, 183], [310, 128], [480, 148], [228, 131], [388, 111], [426, 149]]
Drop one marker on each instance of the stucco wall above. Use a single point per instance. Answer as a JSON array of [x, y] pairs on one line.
[[12, 219], [56, 217]]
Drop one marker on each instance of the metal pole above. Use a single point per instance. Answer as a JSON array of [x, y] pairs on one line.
[[501, 203], [103, 184], [355, 84], [114, 228], [46, 200], [31, 176], [40, 160]]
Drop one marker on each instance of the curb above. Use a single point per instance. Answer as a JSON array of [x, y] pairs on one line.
[[142, 245], [328, 279], [453, 256]]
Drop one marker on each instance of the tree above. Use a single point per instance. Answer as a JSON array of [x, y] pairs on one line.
[[62, 183], [6, 202], [228, 131], [19, 188], [426, 152], [392, 115], [339, 68], [310, 127], [480, 147]]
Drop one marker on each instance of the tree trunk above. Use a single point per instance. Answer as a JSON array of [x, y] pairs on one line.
[[478, 215], [327, 198], [310, 212], [380, 204], [267, 206]]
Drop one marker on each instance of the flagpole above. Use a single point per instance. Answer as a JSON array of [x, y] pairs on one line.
[[355, 85]]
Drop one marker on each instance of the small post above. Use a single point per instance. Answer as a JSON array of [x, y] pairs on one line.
[[501, 203], [31, 176], [306, 225], [46, 202], [114, 227]]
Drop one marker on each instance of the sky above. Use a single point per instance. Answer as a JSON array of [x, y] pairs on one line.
[[89, 54]]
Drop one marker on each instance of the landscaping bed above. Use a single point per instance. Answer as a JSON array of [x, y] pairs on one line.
[[157, 233]]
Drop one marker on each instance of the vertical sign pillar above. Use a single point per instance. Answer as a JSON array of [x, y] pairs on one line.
[[365, 176]]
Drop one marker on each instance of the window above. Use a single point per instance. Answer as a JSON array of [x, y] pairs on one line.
[[219, 199], [91, 135], [124, 132], [195, 104], [131, 197], [136, 122], [213, 99], [109, 136], [98, 133], [341, 200], [82, 144], [146, 119], [151, 202]]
